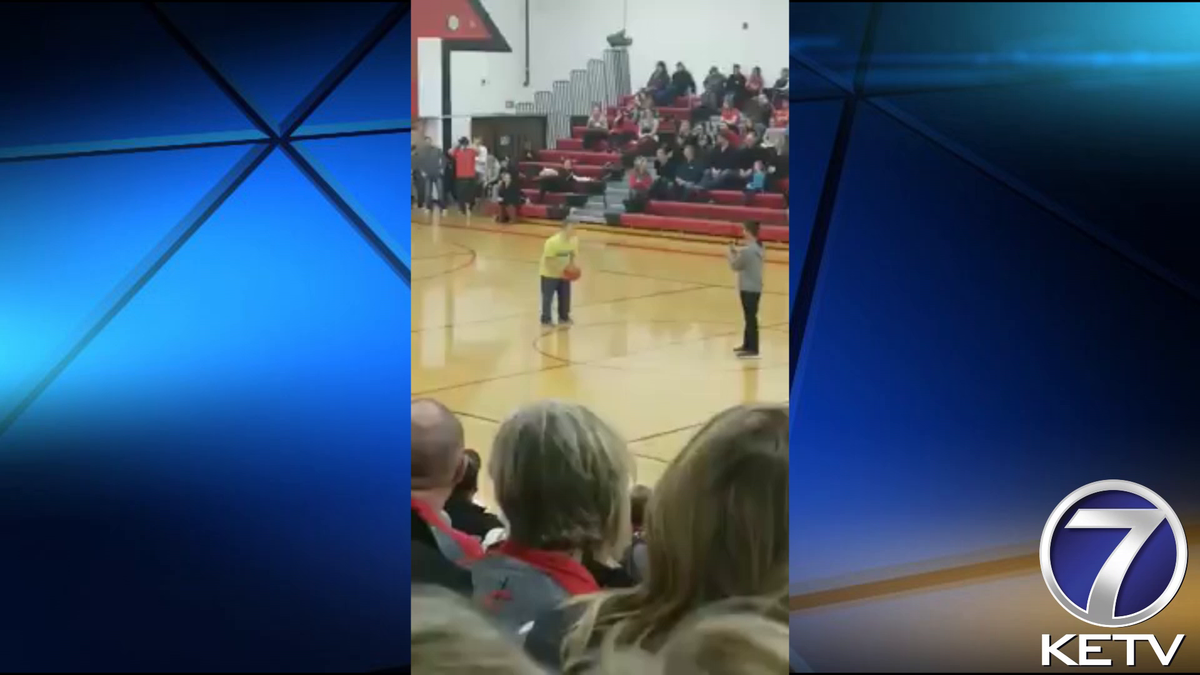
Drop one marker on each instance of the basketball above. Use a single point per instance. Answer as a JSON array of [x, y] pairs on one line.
[[572, 273]]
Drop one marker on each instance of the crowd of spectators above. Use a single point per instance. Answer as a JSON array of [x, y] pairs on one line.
[[733, 137], [581, 571]]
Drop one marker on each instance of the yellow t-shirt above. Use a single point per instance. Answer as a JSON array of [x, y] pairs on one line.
[[556, 254]]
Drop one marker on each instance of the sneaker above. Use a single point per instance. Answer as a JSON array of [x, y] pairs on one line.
[[738, 350], [566, 322], [547, 323], [747, 355]]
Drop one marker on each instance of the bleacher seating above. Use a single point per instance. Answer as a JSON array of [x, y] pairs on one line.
[[722, 217]]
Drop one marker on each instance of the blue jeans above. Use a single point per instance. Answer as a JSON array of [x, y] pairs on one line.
[[550, 287]]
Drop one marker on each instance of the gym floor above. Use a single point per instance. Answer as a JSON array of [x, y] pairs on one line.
[[656, 320]]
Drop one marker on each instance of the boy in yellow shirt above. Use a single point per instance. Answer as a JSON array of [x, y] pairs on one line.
[[558, 252]]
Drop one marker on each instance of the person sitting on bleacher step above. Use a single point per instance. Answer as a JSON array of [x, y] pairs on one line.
[[688, 176], [597, 128], [723, 165]]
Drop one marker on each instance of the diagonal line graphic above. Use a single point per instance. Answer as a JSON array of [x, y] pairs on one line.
[[374, 236], [145, 271], [261, 147], [1026, 192], [341, 71], [806, 290], [223, 83]]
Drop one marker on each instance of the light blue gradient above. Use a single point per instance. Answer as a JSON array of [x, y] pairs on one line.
[[232, 439], [70, 232]]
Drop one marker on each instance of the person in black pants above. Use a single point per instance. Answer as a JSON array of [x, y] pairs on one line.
[[510, 199], [747, 260]]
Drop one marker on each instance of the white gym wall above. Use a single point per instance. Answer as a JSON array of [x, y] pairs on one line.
[[564, 34]]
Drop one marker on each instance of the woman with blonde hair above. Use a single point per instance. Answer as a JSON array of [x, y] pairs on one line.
[[723, 639], [562, 478], [716, 529]]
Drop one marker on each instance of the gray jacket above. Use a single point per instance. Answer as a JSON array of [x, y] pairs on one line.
[[748, 262], [513, 592], [428, 160]]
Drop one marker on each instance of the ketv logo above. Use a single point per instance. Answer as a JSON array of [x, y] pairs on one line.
[[1113, 554]]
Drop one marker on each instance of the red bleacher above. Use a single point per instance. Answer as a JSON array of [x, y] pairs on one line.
[[723, 217], [716, 228], [766, 216]]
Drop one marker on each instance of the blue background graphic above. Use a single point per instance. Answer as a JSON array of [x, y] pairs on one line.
[[204, 306]]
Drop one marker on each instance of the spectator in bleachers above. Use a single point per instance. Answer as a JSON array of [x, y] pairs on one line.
[[730, 115], [685, 131], [682, 82], [734, 470], [483, 163], [640, 183], [437, 466], [510, 198], [664, 174], [597, 128], [635, 560], [704, 148], [464, 174], [758, 111], [562, 478], [449, 637], [465, 514], [735, 86], [722, 165], [647, 130], [779, 90], [659, 82], [779, 118], [714, 88], [754, 83], [756, 181], [688, 175], [556, 180]]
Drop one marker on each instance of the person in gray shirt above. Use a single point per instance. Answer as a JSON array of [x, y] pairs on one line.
[[747, 260], [427, 164]]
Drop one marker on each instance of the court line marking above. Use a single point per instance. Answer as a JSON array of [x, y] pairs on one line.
[[481, 418], [561, 364], [470, 261], [622, 273], [615, 244], [668, 432], [507, 317], [596, 363]]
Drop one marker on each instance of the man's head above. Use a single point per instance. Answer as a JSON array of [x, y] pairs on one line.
[[661, 154], [751, 139], [463, 142], [737, 69], [437, 446], [679, 67], [568, 164], [689, 151]]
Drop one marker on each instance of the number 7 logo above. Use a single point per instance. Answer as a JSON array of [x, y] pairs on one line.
[[1067, 557]]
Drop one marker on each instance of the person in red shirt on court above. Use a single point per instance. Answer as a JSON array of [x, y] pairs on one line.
[[438, 463], [464, 174]]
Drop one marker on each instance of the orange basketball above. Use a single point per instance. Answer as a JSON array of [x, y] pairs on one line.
[[572, 273]]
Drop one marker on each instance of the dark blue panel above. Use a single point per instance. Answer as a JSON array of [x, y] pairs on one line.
[[1138, 184], [813, 126], [970, 361], [367, 170], [70, 232], [829, 35], [966, 43], [216, 482], [78, 72], [275, 54], [376, 90]]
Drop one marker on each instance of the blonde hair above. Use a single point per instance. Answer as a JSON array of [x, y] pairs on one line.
[[716, 529], [562, 478], [448, 636], [739, 638]]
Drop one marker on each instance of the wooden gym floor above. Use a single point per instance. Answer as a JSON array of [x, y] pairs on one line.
[[656, 320]]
